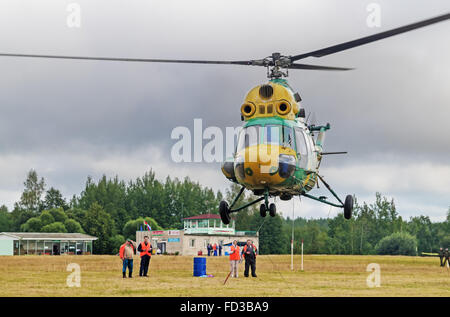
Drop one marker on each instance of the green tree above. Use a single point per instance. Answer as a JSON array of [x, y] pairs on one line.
[[130, 228], [101, 225], [46, 218], [116, 242], [54, 199], [422, 228], [54, 227], [32, 225], [398, 243], [31, 196], [5, 219], [271, 235], [73, 226], [58, 214]]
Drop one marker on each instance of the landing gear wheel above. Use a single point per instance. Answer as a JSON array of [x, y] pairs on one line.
[[263, 210], [348, 207], [224, 212], [272, 209]]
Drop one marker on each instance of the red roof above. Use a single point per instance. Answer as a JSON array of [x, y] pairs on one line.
[[205, 216]]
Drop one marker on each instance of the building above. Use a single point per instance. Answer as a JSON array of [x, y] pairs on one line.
[[198, 232], [25, 243]]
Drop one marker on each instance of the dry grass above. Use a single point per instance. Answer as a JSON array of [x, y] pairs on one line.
[[172, 276]]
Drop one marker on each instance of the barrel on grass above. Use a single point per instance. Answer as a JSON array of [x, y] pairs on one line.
[[199, 266]]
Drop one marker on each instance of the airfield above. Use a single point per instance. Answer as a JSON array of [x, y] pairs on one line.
[[323, 275]]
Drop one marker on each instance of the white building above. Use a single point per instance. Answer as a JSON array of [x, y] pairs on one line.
[[28, 243]]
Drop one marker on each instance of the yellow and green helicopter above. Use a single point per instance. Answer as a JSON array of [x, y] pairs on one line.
[[277, 154]]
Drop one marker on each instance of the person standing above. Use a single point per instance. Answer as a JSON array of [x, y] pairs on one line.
[[145, 251], [446, 257], [441, 255], [220, 249], [208, 247], [126, 253], [249, 252], [235, 255], [215, 249]]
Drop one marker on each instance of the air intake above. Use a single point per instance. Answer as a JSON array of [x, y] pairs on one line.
[[266, 91]]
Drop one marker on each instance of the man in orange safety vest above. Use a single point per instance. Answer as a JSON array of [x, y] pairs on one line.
[[145, 251], [235, 256]]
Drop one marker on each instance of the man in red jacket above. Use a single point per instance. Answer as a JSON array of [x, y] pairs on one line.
[[126, 253]]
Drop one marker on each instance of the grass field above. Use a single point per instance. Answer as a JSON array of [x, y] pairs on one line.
[[324, 275]]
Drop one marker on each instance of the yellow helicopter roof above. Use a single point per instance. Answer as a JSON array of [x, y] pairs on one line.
[[270, 100]]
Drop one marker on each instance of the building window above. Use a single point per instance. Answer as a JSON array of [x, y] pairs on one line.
[[40, 247], [16, 247], [64, 247], [72, 248], [88, 247], [31, 247], [192, 243], [79, 248], [48, 248]]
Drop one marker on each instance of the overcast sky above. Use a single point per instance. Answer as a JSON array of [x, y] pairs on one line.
[[70, 119]]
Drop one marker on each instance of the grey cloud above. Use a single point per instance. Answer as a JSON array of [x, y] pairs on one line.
[[392, 109]]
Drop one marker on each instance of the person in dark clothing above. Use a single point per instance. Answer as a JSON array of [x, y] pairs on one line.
[[249, 253], [441, 256], [220, 250], [208, 247], [446, 256], [145, 251]]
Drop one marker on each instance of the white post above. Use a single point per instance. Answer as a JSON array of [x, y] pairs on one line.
[[292, 239], [302, 255]]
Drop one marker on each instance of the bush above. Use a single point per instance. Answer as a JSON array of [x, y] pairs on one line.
[[46, 218], [399, 243], [54, 227], [32, 225], [58, 214], [445, 242], [116, 242], [73, 226], [130, 228]]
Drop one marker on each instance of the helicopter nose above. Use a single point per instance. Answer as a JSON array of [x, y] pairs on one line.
[[263, 165]]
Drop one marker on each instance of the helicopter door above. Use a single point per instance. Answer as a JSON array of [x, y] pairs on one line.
[[302, 148]]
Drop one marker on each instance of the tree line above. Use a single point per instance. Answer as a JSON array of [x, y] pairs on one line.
[[112, 210]]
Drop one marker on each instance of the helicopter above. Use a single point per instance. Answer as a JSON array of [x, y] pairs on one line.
[[277, 154]]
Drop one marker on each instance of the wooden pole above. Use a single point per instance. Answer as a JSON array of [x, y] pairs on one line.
[[227, 278]]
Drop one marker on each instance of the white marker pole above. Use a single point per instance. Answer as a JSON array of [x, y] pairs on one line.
[[302, 255], [292, 239]]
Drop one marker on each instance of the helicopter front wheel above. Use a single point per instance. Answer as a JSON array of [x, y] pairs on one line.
[[224, 212], [272, 210], [348, 207], [263, 210]]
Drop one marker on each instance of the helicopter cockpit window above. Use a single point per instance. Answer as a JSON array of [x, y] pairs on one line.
[[272, 134], [302, 148], [249, 136], [288, 138]]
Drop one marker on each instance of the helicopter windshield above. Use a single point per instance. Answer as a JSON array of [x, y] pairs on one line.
[[249, 136], [272, 134], [288, 137]]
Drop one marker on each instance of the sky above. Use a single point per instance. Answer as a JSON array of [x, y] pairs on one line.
[[69, 119]]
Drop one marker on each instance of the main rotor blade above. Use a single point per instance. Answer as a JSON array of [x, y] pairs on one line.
[[371, 38], [316, 67], [118, 59]]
